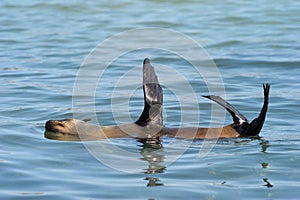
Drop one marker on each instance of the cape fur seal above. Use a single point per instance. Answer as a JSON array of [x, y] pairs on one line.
[[150, 126]]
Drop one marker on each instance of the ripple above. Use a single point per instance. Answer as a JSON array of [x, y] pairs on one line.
[[42, 47]]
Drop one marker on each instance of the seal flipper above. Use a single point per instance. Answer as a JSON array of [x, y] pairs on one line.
[[256, 125], [237, 117], [153, 97], [241, 124]]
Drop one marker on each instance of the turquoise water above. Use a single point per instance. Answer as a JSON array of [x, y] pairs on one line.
[[42, 45]]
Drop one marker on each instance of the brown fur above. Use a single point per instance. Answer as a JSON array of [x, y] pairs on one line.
[[201, 133], [72, 129]]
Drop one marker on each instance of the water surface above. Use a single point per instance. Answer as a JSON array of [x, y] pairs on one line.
[[42, 45]]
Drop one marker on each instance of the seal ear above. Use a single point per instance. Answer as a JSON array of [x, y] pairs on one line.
[[153, 97]]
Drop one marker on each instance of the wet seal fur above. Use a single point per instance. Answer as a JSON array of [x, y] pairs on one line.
[[149, 127]]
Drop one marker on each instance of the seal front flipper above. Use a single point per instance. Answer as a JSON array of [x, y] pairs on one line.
[[237, 117], [153, 97]]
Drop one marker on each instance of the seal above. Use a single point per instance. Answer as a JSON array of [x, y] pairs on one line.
[[149, 127]]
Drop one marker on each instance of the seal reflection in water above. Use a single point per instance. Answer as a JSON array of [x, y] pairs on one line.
[[149, 127]]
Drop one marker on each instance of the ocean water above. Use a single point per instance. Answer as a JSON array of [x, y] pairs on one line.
[[43, 45]]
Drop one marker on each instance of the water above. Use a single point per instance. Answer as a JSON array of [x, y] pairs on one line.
[[42, 46]]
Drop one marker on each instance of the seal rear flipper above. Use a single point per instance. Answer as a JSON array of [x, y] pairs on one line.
[[256, 125], [153, 97], [237, 117]]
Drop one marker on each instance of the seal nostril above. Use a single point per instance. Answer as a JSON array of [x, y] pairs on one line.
[[60, 124]]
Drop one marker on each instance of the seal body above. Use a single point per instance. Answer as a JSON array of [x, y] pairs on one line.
[[149, 126]]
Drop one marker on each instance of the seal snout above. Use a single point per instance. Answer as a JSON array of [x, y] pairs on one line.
[[52, 125]]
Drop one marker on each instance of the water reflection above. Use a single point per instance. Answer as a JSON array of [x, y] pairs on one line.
[[268, 184], [155, 156], [153, 152], [153, 182], [264, 165], [264, 145]]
